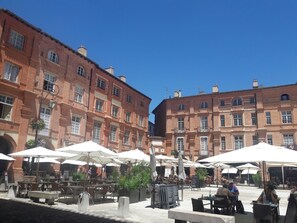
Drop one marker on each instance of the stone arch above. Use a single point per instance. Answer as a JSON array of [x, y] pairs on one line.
[[7, 146]]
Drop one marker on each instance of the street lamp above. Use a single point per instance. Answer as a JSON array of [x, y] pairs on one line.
[[39, 124]]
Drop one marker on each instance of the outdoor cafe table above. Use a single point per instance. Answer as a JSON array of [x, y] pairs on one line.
[[211, 200], [74, 189], [274, 208]]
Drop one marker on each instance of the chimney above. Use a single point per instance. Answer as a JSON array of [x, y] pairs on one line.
[[123, 78], [255, 83], [82, 50], [110, 70], [215, 89], [179, 93], [176, 94]]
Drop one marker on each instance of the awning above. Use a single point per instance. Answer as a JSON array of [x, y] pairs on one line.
[[250, 171]]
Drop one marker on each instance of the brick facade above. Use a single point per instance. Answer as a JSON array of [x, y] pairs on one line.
[[47, 71]]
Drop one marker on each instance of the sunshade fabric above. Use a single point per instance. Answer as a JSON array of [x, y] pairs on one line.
[[231, 170], [4, 157], [249, 171]]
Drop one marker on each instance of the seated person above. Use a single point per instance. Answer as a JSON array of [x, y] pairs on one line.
[[268, 194], [224, 191], [234, 190]]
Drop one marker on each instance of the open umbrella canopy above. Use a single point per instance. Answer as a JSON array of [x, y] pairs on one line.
[[93, 157], [249, 171], [230, 170], [46, 160], [181, 169], [88, 147], [133, 155], [165, 159], [256, 153], [247, 166], [40, 152], [4, 157], [75, 162], [194, 164]]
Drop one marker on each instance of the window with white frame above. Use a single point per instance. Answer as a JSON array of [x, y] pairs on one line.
[[116, 91], [252, 100], [223, 143], [52, 56], [80, 71], [139, 140], [49, 82], [203, 145], [114, 111], [126, 140], [237, 119], [180, 144], [45, 115], [254, 118], [288, 140], [268, 118], [286, 117], [204, 104], [269, 139], [99, 105], [128, 117], [75, 125], [129, 98], [96, 131], [237, 101], [222, 119], [181, 107], [101, 83], [238, 142], [11, 72], [140, 120], [113, 134], [203, 123], [180, 123], [6, 104], [16, 40], [78, 94]]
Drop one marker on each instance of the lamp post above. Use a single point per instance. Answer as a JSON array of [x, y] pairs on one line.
[[39, 124]]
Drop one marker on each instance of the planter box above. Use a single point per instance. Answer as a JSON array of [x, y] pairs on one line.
[[142, 194], [132, 194]]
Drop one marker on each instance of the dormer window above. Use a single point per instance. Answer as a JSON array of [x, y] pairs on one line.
[[204, 105], [80, 71], [285, 97], [237, 101], [52, 56], [181, 107]]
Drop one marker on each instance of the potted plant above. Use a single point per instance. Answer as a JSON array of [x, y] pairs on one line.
[[133, 184], [201, 175], [257, 179]]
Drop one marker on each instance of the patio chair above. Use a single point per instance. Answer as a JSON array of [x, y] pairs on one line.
[[222, 203], [263, 212], [197, 205]]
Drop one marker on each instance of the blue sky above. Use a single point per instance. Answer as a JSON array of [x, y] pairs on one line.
[[167, 45]]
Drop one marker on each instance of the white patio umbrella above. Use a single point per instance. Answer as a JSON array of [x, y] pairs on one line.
[[194, 164], [262, 152], [40, 152], [249, 167], [163, 159], [74, 162], [133, 155], [229, 170], [4, 157], [181, 171], [47, 160], [89, 150]]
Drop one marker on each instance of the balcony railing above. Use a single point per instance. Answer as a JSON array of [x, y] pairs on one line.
[[203, 152], [204, 129], [176, 130]]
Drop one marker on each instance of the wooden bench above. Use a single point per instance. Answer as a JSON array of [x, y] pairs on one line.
[[182, 216], [49, 196]]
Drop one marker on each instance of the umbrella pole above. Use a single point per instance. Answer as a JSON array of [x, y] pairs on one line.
[[37, 169]]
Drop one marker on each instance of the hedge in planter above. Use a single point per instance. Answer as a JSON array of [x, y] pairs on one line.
[[136, 180]]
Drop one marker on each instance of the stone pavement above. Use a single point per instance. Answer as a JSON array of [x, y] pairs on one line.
[[142, 212]]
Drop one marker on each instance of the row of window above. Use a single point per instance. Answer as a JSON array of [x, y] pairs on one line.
[[237, 120], [17, 40], [235, 102], [113, 135], [288, 140]]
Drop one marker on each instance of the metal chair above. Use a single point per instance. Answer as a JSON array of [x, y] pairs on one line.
[[263, 212], [222, 203], [197, 205]]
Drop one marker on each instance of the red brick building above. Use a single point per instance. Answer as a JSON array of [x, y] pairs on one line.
[[37, 72], [209, 124]]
